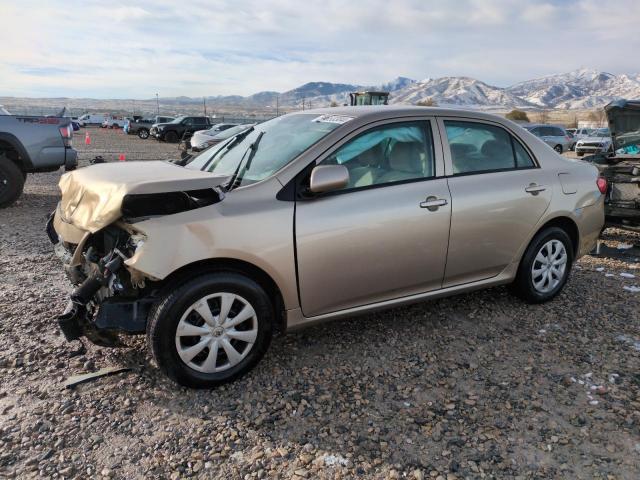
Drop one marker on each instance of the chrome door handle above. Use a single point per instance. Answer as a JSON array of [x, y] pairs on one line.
[[534, 189], [433, 203]]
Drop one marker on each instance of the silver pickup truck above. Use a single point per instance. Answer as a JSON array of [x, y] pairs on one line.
[[29, 145]]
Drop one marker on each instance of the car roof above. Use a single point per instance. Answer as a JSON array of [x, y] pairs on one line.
[[533, 125], [384, 111]]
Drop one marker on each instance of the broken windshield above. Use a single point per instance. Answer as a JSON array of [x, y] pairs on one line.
[[281, 140]]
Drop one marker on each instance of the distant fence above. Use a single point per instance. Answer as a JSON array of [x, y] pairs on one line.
[[216, 117]]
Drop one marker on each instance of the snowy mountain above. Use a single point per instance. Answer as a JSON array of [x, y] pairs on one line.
[[458, 91], [584, 88]]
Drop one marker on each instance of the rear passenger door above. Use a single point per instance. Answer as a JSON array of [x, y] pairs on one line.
[[498, 194], [385, 235]]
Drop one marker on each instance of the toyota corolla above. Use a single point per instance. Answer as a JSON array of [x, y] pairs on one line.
[[315, 216]]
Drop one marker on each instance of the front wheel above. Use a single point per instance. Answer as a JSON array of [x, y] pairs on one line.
[[143, 133], [558, 148], [171, 137], [545, 266], [211, 330], [580, 154]]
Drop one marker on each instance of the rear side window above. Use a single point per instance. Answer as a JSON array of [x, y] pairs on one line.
[[557, 132], [478, 147]]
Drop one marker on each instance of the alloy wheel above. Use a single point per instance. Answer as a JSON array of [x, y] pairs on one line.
[[216, 332], [549, 266]]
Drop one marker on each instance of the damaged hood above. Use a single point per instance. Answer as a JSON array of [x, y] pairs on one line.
[[92, 197], [624, 123]]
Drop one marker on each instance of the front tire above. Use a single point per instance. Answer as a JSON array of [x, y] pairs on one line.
[[210, 330], [558, 148], [545, 266], [171, 137], [143, 133], [11, 181]]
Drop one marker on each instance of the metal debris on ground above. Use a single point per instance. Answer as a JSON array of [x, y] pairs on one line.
[[75, 380]]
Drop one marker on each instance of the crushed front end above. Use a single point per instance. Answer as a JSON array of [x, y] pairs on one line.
[[95, 232], [621, 167], [109, 298], [622, 207]]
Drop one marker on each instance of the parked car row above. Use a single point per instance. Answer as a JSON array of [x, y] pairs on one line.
[[142, 126]]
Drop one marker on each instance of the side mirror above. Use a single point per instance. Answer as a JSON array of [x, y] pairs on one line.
[[325, 178]]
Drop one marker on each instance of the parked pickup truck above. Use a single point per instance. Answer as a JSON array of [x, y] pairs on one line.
[[142, 126], [30, 145], [180, 128]]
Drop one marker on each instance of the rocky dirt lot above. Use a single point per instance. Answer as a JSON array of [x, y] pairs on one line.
[[474, 386]]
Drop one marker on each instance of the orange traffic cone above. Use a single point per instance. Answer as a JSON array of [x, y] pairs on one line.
[[87, 139], [122, 158]]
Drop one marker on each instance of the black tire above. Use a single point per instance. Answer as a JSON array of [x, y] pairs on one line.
[[558, 148], [523, 286], [171, 137], [166, 314], [143, 133], [11, 181], [580, 154]]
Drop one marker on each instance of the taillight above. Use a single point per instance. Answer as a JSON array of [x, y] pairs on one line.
[[65, 131], [67, 134], [602, 185]]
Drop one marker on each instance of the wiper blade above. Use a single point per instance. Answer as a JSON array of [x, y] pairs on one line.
[[239, 173], [237, 139]]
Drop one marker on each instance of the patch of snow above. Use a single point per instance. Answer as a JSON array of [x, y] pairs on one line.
[[330, 460], [631, 288]]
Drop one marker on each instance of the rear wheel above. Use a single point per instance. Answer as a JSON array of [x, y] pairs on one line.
[[211, 330], [11, 181], [171, 137], [545, 266], [143, 133]]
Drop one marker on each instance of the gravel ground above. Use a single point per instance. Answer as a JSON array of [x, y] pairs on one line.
[[474, 386]]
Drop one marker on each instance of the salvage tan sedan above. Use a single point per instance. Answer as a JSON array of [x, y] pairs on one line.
[[314, 216]]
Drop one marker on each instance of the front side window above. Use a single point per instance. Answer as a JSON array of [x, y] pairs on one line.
[[393, 153], [477, 147]]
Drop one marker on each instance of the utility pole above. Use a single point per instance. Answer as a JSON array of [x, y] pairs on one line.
[[158, 103], [277, 105], [303, 99], [204, 104]]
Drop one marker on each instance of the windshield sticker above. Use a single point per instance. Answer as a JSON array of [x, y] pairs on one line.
[[339, 119]]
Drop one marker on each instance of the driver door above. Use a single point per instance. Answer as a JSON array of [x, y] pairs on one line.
[[385, 235]]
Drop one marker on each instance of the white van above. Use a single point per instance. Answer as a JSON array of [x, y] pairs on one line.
[[91, 119], [113, 122]]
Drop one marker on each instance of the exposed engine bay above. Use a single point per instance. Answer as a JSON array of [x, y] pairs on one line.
[[110, 297]]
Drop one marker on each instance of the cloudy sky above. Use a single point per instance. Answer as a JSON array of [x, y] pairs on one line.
[[133, 49]]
